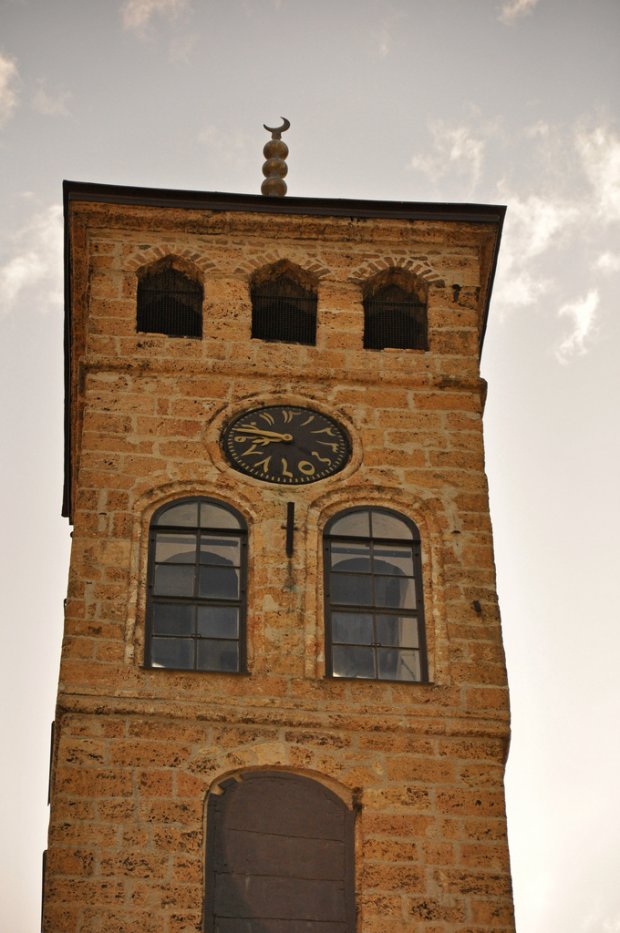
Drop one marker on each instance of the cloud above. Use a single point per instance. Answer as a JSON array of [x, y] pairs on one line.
[[534, 225], [50, 105], [608, 262], [583, 315], [8, 94], [514, 9], [456, 150], [137, 14], [599, 150], [35, 261]]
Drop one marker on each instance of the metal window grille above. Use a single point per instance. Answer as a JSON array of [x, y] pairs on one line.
[[395, 318], [170, 303], [284, 311]]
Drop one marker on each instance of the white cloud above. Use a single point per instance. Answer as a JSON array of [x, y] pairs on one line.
[[137, 14], [583, 318], [455, 151], [539, 222], [8, 94], [35, 261], [514, 9], [48, 104], [608, 262], [599, 150], [534, 225]]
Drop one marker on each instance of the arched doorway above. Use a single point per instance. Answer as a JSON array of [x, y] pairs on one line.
[[280, 852]]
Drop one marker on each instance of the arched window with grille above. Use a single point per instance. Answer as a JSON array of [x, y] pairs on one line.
[[395, 312], [374, 610], [284, 303], [196, 600], [169, 302]]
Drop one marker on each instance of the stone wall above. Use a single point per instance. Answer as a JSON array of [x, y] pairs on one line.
[[137, 751]]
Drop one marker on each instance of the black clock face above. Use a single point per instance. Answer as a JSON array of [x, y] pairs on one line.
[[286, 444]]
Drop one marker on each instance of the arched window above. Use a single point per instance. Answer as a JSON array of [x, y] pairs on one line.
[[395, 313], [169, 302], [283, 305], [196, 587], [373, 597], [280, 857]]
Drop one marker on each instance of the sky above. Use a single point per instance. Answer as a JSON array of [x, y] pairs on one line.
[[482, 101]]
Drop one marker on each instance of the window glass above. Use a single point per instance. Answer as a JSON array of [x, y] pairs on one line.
[[385, 525], [216, 516], [353, 524], [352, 628], [171, 619], [218, 655], [196, 606], [185, 514], [351, 661], [172, 652], [374, 609], [218, 622]]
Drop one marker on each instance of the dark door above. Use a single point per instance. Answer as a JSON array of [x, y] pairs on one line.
[[279, 857]]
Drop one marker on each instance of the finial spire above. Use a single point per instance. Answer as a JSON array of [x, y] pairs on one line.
[[275, 168]]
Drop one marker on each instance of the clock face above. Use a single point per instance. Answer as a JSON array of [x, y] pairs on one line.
[[286, 444]]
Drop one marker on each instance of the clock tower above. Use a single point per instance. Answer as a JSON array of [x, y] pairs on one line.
[[282, 704]]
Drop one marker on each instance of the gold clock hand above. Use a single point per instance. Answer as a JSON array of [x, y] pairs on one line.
[[273, 435]]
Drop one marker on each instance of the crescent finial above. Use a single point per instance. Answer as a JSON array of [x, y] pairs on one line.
[[276, 131]]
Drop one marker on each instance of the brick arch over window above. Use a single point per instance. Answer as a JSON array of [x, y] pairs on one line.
[[280, 856], [169, 299], [284, 303], [395, 311]]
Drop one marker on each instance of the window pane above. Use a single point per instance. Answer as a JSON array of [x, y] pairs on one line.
[[215, 516], [174, 580], [401, 631], [219, 583], [220, 550], [353, 662], [389, 526], [173, 619], [172, 652], [217, 655], [185, 515], [356, 524], [178, 549], [395, 560], [218, 621], [351, 628], [395, 592], [350, 557], [398, 665], [351, 589]]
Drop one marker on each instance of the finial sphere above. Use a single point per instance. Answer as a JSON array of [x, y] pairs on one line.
[[274, 187], [275, 149]]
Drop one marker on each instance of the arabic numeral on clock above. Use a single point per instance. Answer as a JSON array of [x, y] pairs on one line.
[[307, 468]]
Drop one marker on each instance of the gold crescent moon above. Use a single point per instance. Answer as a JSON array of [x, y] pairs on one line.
[[277, 130]]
